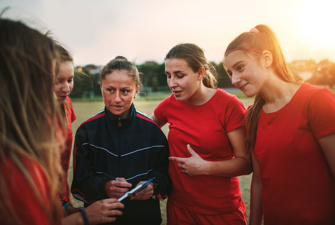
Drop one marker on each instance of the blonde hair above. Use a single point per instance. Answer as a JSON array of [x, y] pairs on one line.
[[28, 113]]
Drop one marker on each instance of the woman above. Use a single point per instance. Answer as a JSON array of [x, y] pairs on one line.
[[63, 85], [206, 141], [120, 148], [29, 149], [291, 134]]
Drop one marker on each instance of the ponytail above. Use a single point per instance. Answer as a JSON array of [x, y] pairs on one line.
[[261, 38]]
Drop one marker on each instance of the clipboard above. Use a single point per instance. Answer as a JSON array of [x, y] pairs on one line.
[[137, 189]]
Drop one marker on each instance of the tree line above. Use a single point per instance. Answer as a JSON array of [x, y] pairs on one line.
[[153, 76]]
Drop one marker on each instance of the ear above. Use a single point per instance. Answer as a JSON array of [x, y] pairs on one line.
[[267, 58], [201, 73], [138, 88]]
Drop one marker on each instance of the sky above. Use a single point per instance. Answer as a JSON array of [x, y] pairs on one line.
[[96, 31]]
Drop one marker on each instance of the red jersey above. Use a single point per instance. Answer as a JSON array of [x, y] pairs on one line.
[[205, 128], [297, 184], [22, 197], [66, 153]]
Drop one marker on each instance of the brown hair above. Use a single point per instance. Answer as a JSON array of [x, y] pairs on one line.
[[195, 59], [264, 39], [28, 113], [121, 63]]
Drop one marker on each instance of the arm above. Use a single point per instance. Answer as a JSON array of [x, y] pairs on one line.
[[160, 124], [327, 145], [256, 211], [99, 212], [240, 165]]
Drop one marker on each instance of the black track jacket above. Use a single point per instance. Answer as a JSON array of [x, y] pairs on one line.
[[134, 148]]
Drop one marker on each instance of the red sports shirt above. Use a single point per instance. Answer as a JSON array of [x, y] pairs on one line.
[[205, 128], [297, 184]]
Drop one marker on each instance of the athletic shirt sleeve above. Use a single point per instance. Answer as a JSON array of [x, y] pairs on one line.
[[234, 116], [161, 109], [21, 195], [321, 113]]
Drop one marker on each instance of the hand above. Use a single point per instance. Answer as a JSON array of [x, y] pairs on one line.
[[103, 211], [116, 189], [145, 194], [193, 165]]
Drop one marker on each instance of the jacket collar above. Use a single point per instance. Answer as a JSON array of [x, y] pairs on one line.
[[118, 121]]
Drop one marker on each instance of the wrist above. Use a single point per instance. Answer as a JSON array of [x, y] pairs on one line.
[[84, 216], [206, 168]]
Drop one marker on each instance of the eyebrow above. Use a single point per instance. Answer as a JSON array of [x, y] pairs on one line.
[[178, 71], [237, 63]]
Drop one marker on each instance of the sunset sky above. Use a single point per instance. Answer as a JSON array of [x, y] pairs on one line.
[[96, 31]]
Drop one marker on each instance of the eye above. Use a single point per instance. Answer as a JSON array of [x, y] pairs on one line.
[[240, 67], [125, 91], [168, 76], [180, 76], [110, 90], [70, 80]]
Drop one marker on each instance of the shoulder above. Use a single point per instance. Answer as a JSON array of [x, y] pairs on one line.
[[314, 94], [94, 119], [145, 119], [310, 90], [227, 99]]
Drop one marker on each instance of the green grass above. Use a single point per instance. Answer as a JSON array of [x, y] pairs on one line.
[[155, 96], [85, 110]]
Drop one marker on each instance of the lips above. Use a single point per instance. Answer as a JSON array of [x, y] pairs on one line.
[[176, 93], [117, 107], [242, 87]]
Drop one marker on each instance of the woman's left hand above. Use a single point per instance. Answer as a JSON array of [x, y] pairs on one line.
[[193, 165], [145, 193]]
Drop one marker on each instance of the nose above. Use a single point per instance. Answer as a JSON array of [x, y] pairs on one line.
[[172, 82], [235, 79], [66, 88], [117, 97]]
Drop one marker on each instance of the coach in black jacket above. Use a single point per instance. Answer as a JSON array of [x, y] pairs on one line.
[[133, 148]]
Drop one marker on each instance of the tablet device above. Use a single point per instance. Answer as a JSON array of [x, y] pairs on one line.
[[135, 190]]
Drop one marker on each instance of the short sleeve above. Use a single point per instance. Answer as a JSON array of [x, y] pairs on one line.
[[161, 109], [235, 113], [321, 113]]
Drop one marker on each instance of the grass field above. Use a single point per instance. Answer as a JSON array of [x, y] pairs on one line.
[[84, 110]]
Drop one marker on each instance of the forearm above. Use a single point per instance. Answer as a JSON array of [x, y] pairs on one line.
[[227, 168], [74, 219]]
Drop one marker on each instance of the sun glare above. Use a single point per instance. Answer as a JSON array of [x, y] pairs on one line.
[[317, 20]]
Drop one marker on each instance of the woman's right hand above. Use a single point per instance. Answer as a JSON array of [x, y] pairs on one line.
[[103, 211], [116, 189]]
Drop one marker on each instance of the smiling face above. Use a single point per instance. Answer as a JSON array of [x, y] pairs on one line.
[[183, 82], [247, 74], [64, 81], [118, 90]]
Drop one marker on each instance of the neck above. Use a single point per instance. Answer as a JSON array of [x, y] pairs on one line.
[[277, 93], [201, 96]]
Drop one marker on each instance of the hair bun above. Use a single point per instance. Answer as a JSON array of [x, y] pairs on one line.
[[122, 58]]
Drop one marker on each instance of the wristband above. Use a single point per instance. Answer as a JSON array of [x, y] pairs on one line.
[[66, 205], [84, 215]]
